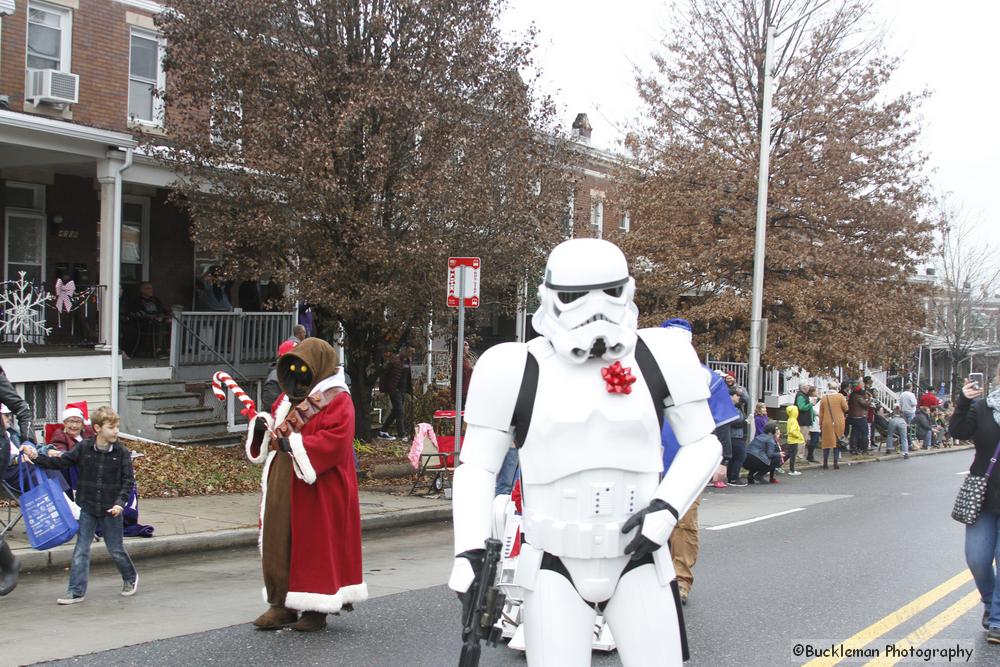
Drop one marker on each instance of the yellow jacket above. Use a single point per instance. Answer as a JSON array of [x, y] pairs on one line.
[[793, 433]]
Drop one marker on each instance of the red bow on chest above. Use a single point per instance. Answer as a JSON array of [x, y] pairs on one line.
[[617, 379]]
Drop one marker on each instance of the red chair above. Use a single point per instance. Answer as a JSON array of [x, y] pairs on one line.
[[439, 460]]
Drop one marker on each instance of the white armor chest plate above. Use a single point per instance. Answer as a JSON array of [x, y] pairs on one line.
[[590, 460]]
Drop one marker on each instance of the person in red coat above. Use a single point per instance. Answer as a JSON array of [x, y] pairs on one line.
[[76, 427], [310, 522]]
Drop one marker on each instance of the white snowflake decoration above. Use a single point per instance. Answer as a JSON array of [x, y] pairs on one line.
[[23, 313]]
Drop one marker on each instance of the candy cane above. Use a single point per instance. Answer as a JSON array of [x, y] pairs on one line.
[[223, 378]]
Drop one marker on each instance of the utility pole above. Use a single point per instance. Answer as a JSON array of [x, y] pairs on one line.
[[753, 371]]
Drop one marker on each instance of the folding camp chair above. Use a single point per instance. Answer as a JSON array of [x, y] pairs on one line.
[[12, 512], [439, 461]]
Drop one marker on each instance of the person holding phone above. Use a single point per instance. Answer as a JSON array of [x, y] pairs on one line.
[[977, 418], [105, 484]]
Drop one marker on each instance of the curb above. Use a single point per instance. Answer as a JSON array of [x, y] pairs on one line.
[[888, 457], [213, 540]]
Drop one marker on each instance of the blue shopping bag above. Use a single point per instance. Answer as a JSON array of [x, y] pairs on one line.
[[45, 508]]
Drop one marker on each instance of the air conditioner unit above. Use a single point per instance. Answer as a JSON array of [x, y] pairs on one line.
[[53, 86]]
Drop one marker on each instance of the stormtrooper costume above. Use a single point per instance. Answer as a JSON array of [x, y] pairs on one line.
[[596, 511]]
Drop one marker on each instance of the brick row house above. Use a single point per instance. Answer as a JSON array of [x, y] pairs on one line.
[[82, 203]]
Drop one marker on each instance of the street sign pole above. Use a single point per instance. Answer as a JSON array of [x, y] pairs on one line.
[[460, 360]]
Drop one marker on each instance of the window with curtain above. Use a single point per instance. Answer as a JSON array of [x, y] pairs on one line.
[[145, 78], [48, 37]]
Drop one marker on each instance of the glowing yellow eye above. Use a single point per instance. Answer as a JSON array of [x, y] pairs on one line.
[[292, 367], [303, 369]]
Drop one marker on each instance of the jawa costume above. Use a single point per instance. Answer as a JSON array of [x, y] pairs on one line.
[[310, 534]]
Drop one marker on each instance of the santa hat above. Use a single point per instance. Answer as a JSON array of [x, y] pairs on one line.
[[286, 347], [78, 409]]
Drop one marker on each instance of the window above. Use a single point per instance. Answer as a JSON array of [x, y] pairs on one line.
[[625, 223], [135, 240], [145, 78], [49, 37], [597, 214], [570, 204], [25, 195], [24, 237], [43, 397]]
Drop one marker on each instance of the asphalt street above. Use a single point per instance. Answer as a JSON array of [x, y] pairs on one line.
[[861, 557]]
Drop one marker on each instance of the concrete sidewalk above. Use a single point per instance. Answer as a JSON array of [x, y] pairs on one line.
[[200, 523]]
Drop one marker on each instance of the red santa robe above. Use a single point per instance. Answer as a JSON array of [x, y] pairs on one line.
[[325, 571]]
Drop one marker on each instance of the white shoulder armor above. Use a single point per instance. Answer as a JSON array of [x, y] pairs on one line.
[[496, 380], [682, 371]]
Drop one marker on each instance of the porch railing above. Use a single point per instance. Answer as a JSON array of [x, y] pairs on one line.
[[30, 314], [205, 338]]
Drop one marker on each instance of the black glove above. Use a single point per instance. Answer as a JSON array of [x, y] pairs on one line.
[[259, 427], [284, 445], [475, 558], [641, 546]]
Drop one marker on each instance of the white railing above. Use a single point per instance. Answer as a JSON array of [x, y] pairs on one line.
[[206, 338], [885, 396]]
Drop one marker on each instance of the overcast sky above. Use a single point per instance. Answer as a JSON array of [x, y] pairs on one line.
[[588, 50]]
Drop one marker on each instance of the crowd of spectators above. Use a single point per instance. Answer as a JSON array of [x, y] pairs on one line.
[[845, 418]]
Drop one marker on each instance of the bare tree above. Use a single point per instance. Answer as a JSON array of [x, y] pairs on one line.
[[348, 147], [962, 313], [844, 228]]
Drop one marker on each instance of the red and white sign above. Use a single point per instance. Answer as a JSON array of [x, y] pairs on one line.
[[470, 266]]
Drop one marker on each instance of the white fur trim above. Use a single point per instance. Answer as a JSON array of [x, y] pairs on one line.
[[328, 604], [303, 468], [263, 500], [336, 380], [265, 441]]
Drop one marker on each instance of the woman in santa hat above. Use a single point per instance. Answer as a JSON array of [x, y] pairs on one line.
[[75, 427]]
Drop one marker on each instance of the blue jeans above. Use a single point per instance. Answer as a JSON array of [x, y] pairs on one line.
[[507, 474], [982, 554], [736, 462], [80, 570], [897, 429]]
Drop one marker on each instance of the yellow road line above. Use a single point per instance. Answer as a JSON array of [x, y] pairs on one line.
[[898, 617], [931, 628]]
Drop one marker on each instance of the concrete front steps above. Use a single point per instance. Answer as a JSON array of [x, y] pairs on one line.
[[163, 410]]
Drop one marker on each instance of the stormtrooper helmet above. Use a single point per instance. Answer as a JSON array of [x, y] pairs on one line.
[[586, 308]]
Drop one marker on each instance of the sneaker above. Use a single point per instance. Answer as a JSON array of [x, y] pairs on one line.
[[737, 482], [774, 481], [719, 485], [751, 480], [794, 472], [993, 636], [129, 589], [906, 455], [385, 436], [70, 599]]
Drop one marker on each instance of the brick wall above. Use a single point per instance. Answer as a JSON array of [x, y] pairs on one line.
[[100, 56]]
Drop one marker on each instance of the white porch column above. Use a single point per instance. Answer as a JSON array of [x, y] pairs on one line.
[[109, 175]]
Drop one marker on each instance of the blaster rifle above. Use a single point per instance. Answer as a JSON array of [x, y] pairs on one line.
[[481, 607]]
